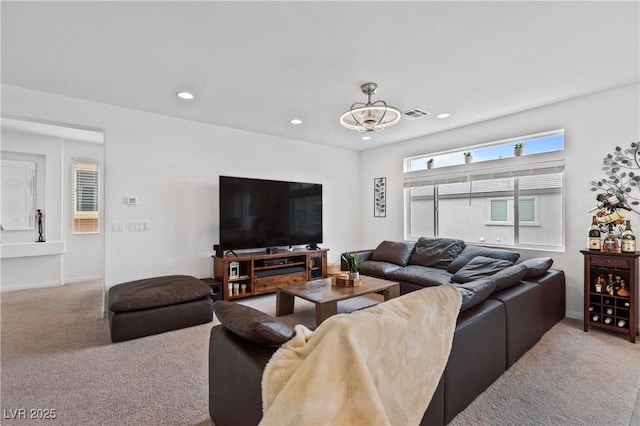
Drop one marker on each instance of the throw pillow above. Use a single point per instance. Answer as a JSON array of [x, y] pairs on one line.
[[251, 324], [376, 268], [510, 276], [436, 252], [479, 267], [475, 292], [537, 266], [393, 252], [470, 251]]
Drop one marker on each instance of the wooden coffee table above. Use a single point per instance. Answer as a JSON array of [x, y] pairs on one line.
[[326, 297]]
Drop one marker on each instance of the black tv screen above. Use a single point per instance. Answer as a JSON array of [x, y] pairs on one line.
[[257, 213]]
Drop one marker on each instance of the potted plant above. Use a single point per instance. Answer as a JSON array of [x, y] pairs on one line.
[[467, 157], [517, 149], [353, 261], [429, 163]]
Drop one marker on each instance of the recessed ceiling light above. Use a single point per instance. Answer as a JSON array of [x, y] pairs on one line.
[[443, 115], [366, 138], [295, 121], [185, 95]]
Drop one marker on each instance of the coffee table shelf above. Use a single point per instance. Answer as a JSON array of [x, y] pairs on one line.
[[326, 297]]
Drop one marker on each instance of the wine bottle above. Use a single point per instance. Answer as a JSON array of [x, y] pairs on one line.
[[622, 291], [595, 237], [622, 323], [607, 320], [590, 308], [628, 241], [610, 285], [610, 242], [595, 318], [609, 311]]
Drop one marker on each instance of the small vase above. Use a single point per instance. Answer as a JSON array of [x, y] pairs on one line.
[[354, 275], [468, 159], [429, 165], [517, 152]]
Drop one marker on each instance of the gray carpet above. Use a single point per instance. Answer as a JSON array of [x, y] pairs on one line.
[[56, 354]]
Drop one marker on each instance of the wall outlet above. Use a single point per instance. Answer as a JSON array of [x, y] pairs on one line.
[[137, 226]]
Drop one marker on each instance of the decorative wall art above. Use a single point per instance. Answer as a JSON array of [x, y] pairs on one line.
[[380, 197], [621, 186]]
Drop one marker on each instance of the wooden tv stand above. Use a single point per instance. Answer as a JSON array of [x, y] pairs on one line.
[[260, 273]]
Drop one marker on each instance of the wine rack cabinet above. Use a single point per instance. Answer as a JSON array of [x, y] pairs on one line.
[[611, 291]]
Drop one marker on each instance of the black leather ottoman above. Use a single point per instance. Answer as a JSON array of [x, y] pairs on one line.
[[155, 305]]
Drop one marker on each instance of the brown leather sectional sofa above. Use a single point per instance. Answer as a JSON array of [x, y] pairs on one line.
[[504, 314]]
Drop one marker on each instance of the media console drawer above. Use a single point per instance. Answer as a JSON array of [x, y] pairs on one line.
[[269, 284]]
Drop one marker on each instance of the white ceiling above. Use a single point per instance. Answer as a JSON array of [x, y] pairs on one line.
[[256, 65]]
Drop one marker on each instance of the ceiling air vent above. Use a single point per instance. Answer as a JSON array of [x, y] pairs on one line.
[[415, 113]]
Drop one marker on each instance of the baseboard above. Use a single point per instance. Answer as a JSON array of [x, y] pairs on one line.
[[31, 286], [574, 315], [84, 279]]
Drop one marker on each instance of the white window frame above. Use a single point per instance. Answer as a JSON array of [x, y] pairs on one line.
[[511, 211], [97, 214], [458, 153], [548, 162]]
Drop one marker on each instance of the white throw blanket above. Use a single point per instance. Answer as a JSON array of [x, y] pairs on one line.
[[378, 366]]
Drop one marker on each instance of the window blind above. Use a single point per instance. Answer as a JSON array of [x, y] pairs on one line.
[[86, 196]]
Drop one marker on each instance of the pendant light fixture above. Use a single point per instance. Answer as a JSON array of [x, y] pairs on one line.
[[372, 116]]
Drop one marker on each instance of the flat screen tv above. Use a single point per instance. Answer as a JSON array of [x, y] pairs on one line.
[[258, 213]]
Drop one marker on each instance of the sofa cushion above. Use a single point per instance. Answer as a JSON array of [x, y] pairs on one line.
[[475, 292], [436, 252], [479, 267], [393, 252], [251, 324], [376, 269], [510, 276], [156, 292], [537, 266], [469, 252], [420, 275]]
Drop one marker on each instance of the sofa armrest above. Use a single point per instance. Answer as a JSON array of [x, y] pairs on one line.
[[553, 296], [362, 255], [235, 376]]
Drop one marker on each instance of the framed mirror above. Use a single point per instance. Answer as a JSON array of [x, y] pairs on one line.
[[18, 195]]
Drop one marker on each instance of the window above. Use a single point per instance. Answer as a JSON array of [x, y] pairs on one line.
[[86, 196], [500, 211], [512, 202], [529, 145]]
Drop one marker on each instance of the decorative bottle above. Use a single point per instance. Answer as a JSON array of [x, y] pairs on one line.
[[628, 241], [610, 242], [595, 238]]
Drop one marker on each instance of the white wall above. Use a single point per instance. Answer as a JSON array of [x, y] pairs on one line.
[[47, 151], [594, 125], [45, 270], [84, 253], [172, 165], [79, 257]]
